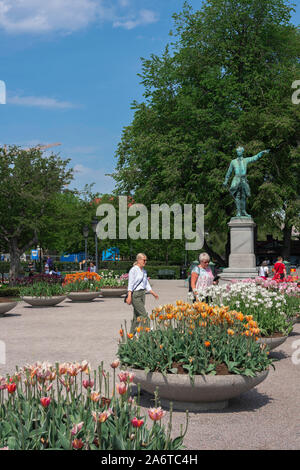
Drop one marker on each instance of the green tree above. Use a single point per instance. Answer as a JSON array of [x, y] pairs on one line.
[[28, 183], [224, 81]]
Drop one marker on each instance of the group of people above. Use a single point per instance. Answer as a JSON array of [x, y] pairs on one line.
[[202, 277], [279, 270], [138, 284]]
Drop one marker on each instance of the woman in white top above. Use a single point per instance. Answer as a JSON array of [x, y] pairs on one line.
[[138, 284], [264, 270]]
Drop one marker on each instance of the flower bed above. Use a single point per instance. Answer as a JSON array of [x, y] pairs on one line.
[[111, 280], [57, 407], [42, 289], [269, 307], [82, 281], [195, 339]]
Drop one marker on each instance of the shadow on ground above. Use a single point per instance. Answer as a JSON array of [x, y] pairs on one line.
[[249, 401]]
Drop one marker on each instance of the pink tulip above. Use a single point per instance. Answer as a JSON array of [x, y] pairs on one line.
[[121, 388], [76, 428], [88, 383], [125, 376], [156, 413]]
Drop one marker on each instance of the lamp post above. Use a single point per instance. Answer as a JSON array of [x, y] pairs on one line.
[[85, 234], [94, 225]]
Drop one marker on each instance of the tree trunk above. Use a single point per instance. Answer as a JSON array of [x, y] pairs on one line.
[[287, 241], [15, 254]]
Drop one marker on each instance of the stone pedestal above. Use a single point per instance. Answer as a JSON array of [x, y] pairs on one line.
[[242, 260]]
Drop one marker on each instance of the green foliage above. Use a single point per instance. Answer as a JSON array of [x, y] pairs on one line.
[[42, 289], [9, 291]]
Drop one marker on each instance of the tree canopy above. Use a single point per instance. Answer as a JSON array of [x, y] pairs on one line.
[[224, 81], [28, 183]]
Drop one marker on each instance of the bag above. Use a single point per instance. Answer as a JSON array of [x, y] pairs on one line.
[[126, 296], [281, 275]]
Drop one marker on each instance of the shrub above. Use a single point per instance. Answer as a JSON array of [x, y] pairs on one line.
[[9, 291]]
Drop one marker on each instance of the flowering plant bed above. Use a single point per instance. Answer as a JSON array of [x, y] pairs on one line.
[[195, 339], [82, 282], [42, 289], [270, 308], [110, 280], [57, 407]]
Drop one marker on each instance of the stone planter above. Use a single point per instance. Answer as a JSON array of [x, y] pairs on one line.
[[44, 301], [83, 296], [6, 306], [272, 343], [209, 392], [113, 291]]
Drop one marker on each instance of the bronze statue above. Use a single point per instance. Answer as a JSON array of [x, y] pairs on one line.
[[239, 188]]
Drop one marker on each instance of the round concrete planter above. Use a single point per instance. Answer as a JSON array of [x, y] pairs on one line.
[[44, 301], [209, 392], [83, 296], [113, 292], [6, 307], [272, 343]]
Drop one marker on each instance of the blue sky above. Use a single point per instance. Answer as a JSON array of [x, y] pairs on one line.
[[70, 68]]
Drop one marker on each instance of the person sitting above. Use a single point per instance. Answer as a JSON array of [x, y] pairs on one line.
[[92, 268]]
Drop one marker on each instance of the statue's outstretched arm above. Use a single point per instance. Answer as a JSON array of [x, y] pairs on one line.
[[257, 157]]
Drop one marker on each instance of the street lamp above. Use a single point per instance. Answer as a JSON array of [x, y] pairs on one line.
[[85, 232], [94, 225]]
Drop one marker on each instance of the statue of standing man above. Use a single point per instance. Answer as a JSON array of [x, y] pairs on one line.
[[239, 188]]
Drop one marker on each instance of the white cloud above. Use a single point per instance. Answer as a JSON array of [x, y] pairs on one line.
[[40, 102], [142, 18], [67, 16]]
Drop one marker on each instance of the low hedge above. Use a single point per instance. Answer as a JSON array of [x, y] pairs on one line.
[[9, 292]]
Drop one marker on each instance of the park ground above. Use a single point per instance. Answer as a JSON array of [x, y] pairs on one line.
[[264, 418]]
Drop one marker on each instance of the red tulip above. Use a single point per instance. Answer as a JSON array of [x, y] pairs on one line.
[[45, 401], [137, 423], [77, 444], [11, 388]]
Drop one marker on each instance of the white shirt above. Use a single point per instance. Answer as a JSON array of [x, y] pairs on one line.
[[136, 275]]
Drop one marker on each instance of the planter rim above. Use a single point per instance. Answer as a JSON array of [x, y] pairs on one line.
[[206, 376]]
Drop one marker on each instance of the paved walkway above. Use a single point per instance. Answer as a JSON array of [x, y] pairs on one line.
[[266, 417]]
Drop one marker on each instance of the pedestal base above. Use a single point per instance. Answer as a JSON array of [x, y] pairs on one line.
[[242, 259]]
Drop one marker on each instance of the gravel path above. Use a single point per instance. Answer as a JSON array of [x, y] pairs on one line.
[[266, 417]]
